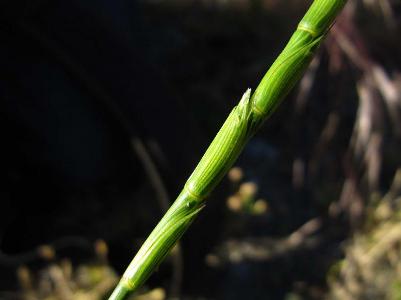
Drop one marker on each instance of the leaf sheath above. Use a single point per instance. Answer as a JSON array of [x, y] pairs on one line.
[[243, 121]]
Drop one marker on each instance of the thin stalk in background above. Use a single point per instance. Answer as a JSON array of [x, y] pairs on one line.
[[242, 123]]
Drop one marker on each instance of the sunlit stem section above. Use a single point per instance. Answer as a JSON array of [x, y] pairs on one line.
[[242, 123]]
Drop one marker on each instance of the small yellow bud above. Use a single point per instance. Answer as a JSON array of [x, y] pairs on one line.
[[235, 174], [248, 190], [260, 207], [234, 203], [24, 277]]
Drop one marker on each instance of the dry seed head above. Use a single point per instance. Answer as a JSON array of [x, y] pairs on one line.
[[101, 249], [66, 267], [46, 252], [24, 277]]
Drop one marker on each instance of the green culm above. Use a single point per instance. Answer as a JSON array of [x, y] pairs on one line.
[[242, 123]]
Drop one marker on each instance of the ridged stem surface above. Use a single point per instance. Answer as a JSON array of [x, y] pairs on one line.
[[241, 124]]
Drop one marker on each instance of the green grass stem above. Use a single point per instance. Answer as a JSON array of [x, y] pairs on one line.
[[242, 123]]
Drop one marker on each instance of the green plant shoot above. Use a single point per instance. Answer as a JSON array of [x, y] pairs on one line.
[[242, 123]]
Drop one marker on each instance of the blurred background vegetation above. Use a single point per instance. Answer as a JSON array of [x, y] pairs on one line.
[[106, 106]]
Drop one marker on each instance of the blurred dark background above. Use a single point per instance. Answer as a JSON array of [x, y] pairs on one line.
[[106, 107]]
